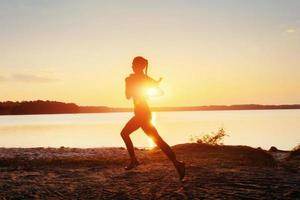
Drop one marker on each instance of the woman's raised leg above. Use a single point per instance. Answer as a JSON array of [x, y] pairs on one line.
[[151, 131]]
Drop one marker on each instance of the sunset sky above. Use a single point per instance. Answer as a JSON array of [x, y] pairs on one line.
[[208, 52]]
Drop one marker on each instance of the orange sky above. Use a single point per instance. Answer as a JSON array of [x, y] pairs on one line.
[[208, 53]]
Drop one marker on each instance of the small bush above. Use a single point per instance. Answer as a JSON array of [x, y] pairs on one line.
[[273, 149], [215, 138]]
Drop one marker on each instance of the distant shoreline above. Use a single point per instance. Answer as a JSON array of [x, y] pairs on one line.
[[182, 109], [54, 107]]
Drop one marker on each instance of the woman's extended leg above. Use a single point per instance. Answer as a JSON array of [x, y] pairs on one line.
[[151, 131], [131, 126]]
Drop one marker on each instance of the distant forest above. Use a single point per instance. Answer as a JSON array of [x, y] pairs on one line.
[[37, 107], [55, 107]]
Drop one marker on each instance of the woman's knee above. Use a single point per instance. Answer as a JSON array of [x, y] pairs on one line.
[[124, 134]]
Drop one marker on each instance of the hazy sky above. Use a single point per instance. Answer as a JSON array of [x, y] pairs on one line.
[[208, 52]]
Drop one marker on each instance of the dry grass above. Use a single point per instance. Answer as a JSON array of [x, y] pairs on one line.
[[215, 138]]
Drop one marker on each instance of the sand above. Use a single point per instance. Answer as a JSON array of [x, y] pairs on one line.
[[213, 172]]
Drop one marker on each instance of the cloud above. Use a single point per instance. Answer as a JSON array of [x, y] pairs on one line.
[[3, 79], [291, 30], [30, 78], [27, 78]]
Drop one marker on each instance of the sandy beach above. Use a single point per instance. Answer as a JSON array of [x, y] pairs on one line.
[[213, 172]]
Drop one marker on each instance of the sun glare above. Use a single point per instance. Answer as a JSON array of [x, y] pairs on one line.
[[153, 119], [151, 143], [152, 92]]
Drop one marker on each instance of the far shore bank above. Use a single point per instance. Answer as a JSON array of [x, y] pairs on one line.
[[54, 107]]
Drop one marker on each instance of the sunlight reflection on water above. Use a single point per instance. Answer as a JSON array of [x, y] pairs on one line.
[[256, 128]]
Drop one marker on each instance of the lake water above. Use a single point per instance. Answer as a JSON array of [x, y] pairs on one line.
[[256, 128]]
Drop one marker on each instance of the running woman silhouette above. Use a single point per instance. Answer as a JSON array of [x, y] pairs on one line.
[[136, 85]]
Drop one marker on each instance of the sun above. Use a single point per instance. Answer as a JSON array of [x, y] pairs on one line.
[[152, 92]]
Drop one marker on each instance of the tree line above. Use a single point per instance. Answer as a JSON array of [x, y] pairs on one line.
[[55, 107], [37, 107]]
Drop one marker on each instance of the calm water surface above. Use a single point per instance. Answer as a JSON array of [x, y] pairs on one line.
[[256, 128]]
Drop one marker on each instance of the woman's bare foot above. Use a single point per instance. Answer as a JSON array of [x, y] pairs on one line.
[[132, 164], [180, 167]]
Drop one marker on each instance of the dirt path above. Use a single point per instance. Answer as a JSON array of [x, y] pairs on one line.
[[211, 174]]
